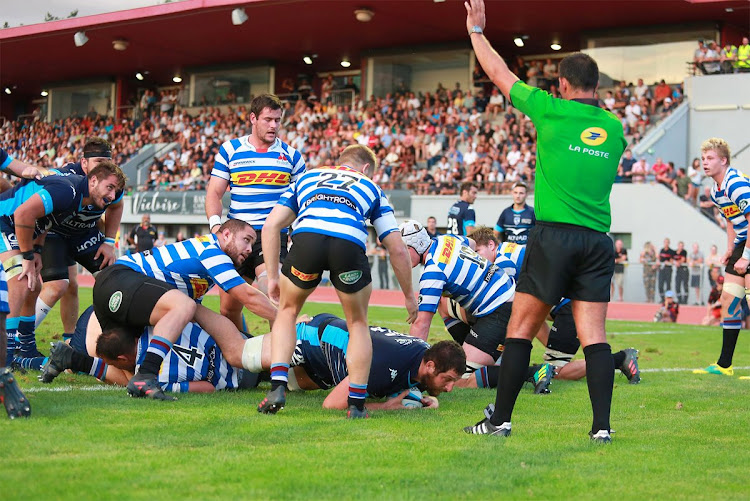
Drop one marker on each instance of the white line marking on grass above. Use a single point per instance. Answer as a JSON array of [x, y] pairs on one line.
[[649, 333], [39, 389], [683, 369]]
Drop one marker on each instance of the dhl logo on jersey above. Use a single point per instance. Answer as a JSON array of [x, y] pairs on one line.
[[447, 250], [204, 239], [731, 211], [271, 177], [200, 287]]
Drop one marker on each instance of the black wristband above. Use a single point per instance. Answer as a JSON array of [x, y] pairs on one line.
[[28, 255], [38, 249]]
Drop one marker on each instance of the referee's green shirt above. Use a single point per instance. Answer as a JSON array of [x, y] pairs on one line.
[[578, 151]]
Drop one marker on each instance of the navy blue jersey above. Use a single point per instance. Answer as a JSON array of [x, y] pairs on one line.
[[78, 341], [321, 350], [516, 224], [85, 218], [60, 195], [460, 215]]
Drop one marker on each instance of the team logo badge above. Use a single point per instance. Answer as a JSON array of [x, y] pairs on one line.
[[594, 136], [516, 219], [743, 205], [115, 300], [305, 277], [350, 277]]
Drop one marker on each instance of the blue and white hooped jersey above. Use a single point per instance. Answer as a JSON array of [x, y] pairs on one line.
[[395, 357], [257, 179], [195, 356], [733, 200], [337, 201], [453, 269], [83, 219], [193, 266], [58, 194], [510, 258], [4, 306]]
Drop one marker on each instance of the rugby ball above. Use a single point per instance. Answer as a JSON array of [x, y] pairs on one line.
[[412, 399]]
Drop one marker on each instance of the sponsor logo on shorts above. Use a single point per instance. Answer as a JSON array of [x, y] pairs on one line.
[[730, 211], [445, 254], [115, 300], [305, 277], [594, 136], [350, 277], [500, 348], [200, 287], [261, 177]]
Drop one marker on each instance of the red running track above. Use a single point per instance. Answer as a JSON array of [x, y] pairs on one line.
[[638, 312]]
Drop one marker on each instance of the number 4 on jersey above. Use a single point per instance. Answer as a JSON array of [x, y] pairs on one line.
[[188, 355]]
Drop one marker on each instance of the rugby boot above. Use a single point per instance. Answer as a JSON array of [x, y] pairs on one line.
[[716, 369], [485, 427], [543, 378], [489, 411], [147, 386], [354, 413], [629, 366], [16, 403], [274, 401], [60, 360], [600, 437]]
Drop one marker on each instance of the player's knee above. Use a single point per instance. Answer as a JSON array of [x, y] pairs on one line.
[[732, 298]]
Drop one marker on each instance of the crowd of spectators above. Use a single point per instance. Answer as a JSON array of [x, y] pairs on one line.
[[425, 142]]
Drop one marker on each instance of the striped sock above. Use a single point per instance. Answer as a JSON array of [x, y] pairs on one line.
[[279, 375], [27, 340], [487, 376], [357, 394], [98, 369], [33, 363], [11, 327], [158, 348]]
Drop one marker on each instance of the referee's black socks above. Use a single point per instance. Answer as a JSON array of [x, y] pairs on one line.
[[600, 377], [516, 356]]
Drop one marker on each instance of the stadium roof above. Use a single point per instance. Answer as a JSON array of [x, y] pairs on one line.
[[173, 37]]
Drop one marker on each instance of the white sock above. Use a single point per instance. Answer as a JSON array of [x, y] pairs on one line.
[[42, 309]]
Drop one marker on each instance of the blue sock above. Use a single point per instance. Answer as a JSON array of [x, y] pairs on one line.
[[33, 363], [357, 394], [98, 369], [11, 327], [279, 375], [27, 340]]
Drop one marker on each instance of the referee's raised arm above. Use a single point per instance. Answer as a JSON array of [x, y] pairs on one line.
[[491, 62]]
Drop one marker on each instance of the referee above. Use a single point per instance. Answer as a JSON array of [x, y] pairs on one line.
[[569, 253]]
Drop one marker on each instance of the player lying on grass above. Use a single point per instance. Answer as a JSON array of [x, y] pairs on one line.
[[561, 340], [400, 362]]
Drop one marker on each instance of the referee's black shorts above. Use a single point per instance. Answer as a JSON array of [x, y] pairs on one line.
[[313, 253], [565, 260]]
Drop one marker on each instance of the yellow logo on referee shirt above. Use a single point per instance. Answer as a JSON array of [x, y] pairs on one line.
[[594, 136]]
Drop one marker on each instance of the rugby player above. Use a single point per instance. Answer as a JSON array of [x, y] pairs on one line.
[[257, 169], [329, 207], [461, 216], [452, 268], [77, 238], [159, 288], [26, 213], [570, 253], [515, 221], [731, 194]]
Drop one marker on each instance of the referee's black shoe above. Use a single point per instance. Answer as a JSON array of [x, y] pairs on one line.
[[485, 427], [600, 437], [16, 403], [147, 386], [274, 401]]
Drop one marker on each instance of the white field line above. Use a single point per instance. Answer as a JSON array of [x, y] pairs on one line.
[[59, 389]]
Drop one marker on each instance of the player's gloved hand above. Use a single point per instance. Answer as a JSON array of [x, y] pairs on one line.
[[108, 253]]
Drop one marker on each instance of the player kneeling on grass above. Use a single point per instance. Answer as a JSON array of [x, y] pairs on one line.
[[159, 287], [731, 194], [328, 208], [561, 340]]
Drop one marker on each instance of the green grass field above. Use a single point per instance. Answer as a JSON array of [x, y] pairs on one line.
[[679, 436]]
